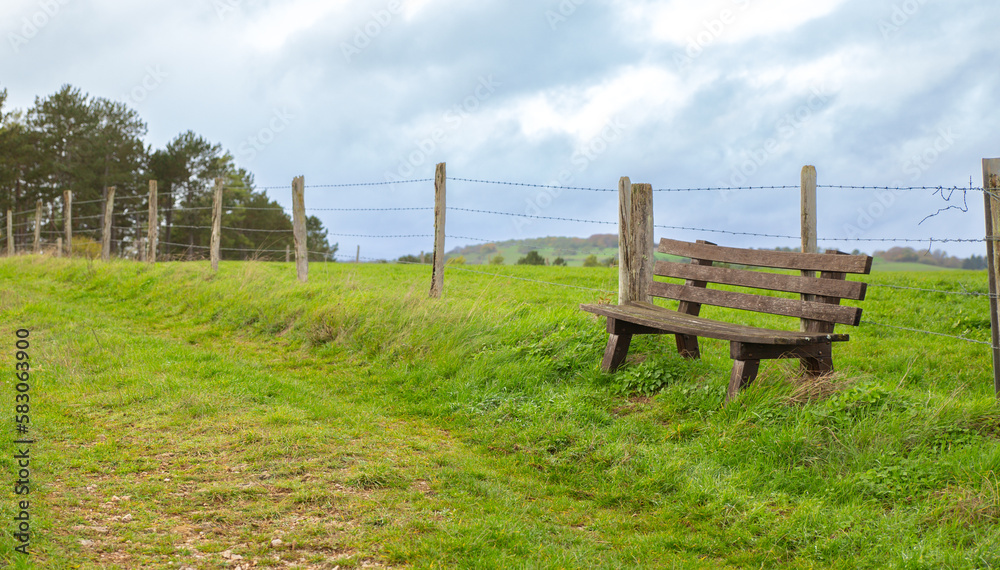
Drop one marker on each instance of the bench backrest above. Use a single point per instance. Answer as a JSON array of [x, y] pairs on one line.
[[819, 307]]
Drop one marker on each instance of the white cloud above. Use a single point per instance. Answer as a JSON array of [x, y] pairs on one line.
[[722, 21]]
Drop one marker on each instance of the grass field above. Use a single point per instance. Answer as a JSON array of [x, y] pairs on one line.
[[243, 420]]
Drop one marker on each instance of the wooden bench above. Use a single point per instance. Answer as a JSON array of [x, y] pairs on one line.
[[818, 308]]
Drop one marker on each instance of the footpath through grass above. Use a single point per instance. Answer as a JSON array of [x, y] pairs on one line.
[[185, 419]]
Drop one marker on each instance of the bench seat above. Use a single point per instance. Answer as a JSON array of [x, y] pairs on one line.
[[818, 308], [665, 321]]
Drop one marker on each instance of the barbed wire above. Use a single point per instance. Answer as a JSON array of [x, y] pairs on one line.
[[530, 216], [870, 322], [458, 268], [901, 188], [725, 188], [362, 184], [529, 185], [963, 293], [382, 236]]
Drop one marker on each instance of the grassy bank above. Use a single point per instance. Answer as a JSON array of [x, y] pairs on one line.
[[187, 419]]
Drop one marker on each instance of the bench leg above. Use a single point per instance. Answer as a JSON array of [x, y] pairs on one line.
[[687, 346], [744, 372], [816, 366], [615, 352]]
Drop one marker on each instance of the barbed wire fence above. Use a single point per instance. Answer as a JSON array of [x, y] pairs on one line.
[[130, 227]]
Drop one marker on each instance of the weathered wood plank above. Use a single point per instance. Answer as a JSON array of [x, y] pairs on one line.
[[687, 345], [759, 303], [751, 351], [765, 258], [646, 314], [759, 280]]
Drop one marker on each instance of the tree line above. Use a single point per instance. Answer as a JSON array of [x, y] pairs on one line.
[[72, 141]]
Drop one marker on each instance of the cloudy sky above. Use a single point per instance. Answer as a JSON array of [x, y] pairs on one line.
[[679, 94]]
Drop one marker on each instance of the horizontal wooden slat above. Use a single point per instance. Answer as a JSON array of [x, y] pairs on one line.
[[765, 258], [759, 303], [650, 315], [759, 280]]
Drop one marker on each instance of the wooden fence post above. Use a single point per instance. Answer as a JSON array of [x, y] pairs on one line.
[[38, 228], [991, 198], [109, 217], [809, 209], [809, 226], [624, 217], [10, 234], [59, 247], [68, 214], [216, 223], [440, 207], [636, 258], [288, 253], [358, 258], [154, 222], [299, 228]]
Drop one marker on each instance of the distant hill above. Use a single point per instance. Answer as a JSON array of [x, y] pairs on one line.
[[573, 250]]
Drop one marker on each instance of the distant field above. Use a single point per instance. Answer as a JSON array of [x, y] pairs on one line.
[[899, 266], [185, 418]]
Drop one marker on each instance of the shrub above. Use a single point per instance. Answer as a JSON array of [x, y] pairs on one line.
[[533, 258], [590, 261]]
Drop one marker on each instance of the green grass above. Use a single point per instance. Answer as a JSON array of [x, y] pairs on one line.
[[182, 415]]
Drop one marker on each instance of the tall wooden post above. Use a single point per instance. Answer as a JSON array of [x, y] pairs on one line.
[[38, 228], [991, 198], [109, 217], [358, 258], [68, 214], [154, 222], [299, 228], [635, 251], [624, 217], [216, 223], [288, 253], [808, 218], [809, 209], [440, 207], [10, 233]]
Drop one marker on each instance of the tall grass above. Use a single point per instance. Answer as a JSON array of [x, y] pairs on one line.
[[499, 441]]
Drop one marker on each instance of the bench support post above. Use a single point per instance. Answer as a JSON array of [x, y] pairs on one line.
[[744, 372], [615, 352]]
